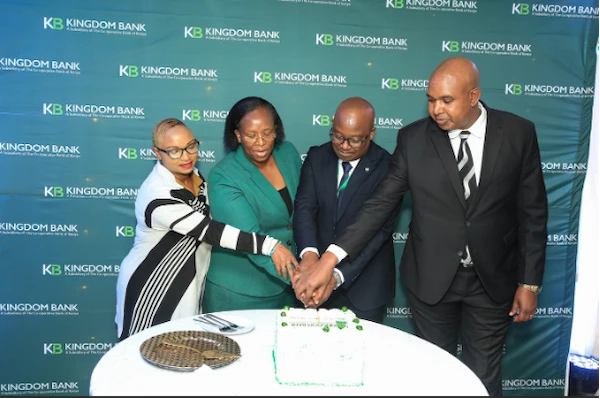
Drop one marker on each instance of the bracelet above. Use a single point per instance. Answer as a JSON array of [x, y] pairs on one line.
[[274, 246]]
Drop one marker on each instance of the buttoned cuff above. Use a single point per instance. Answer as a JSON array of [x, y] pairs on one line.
[[338, 252], [309, 249]]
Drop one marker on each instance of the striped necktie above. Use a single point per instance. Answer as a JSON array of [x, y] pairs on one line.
[[466, 170], [466, 167], [344, 181]]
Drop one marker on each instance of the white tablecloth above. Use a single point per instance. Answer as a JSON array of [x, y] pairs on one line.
[[397, 364]]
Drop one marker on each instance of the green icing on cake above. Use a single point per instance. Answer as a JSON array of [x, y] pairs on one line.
[[326, 328], [283, 314], [283, 324], [340, 324], [344, 309], [359, 327], [356, 320]]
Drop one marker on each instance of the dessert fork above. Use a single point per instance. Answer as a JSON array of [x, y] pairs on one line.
[[218, 319], [221, 326]]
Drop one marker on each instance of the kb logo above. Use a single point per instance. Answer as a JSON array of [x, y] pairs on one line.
[[125, 231], [53, 109], [51, 269], [394, 3], [450, 46], [520, 8], [54, 192], [263, 77], [390, 84], [514, 89], [194, 32], [321, 120], [324, 39], [128, 153], [191, 115], [53, 23], [131, 71], [53, 349]]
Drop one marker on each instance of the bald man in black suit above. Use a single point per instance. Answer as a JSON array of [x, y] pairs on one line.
[[474, 260]]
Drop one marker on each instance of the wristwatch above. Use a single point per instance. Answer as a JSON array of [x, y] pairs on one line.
[[338, 278], [536, 289]]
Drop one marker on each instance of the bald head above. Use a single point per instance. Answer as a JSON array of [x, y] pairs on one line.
[[353, 120], [453, 94], [462, 69], [355, 111]]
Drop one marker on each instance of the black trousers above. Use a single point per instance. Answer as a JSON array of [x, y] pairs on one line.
[[468, 311], [338, 299]]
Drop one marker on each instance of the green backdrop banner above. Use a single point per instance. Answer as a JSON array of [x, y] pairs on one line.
[[83, 83]]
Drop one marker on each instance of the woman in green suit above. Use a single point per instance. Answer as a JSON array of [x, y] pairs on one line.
[[253, 188]]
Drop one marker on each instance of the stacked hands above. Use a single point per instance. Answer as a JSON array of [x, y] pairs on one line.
[[313, 281], [312, 278]]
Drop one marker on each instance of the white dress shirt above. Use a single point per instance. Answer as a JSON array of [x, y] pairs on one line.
[[476, 140]]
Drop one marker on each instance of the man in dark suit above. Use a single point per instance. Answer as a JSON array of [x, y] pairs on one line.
[[327, 199], [474, 259]]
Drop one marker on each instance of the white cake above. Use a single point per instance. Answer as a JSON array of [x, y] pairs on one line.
[[318, 347]]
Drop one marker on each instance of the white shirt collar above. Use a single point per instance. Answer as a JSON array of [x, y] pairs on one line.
[[352, 163], [477, 129]]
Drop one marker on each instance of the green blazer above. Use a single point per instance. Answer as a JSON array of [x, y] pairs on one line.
[[241, 196]]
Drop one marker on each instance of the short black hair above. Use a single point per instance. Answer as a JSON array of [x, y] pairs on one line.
[[239, 110]]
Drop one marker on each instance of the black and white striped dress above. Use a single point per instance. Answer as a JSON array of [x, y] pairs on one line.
[[162, 278]]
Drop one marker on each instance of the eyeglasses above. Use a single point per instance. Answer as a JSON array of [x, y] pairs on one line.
[[251, 138], [352, 141], [176, 153]]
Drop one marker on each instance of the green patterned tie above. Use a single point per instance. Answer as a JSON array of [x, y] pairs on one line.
[[345, 177]]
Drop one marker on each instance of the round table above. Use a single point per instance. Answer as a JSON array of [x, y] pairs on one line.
[[396, 364]]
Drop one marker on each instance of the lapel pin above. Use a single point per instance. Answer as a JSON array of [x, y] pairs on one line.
[[366, 169]]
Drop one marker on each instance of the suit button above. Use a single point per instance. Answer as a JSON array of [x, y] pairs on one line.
[[289, 227], [289, 243], [467, 223], [460, 253]]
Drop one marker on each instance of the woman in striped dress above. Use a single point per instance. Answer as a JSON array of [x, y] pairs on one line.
[[162, 278]]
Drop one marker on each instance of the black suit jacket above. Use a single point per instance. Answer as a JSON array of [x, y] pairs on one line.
[[504, 226], [370, 276]]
